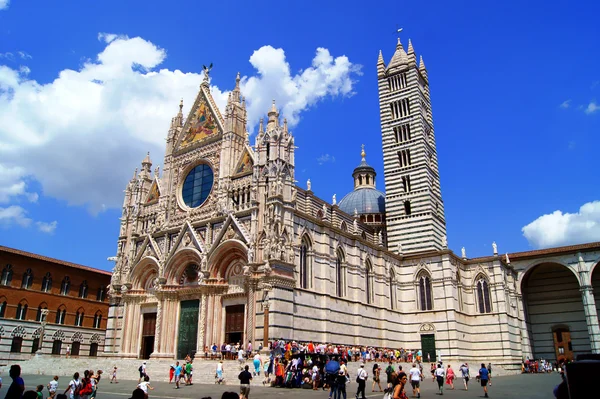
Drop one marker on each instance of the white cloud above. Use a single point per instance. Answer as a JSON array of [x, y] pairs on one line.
[[24, 55], [8, 55], [592, 108], [559, 228], [565, 104], [13, 183], [47, 227], [82, 134], [4, 4], [14, 215], [325, 158]]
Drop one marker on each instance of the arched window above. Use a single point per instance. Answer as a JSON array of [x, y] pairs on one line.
[[339, 273], [38, 316], [65, 286], [483, 295], [27, 279], [101, 294], [79, 318], [407, 207], [304, 264], [369, 282], [7, 274], [3, 308], [392, 282], [97, 319], [343, 226], [47, 283], [459, 290], [61, 313], [425, 300], [83, 289], [21, 311]]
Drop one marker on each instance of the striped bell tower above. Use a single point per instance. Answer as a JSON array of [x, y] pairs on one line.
[[414, 207]]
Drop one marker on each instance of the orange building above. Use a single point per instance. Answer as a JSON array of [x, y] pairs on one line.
[[73, 297]]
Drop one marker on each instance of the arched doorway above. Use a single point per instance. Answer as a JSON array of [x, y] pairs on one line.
[[554, 312], [596, 286]]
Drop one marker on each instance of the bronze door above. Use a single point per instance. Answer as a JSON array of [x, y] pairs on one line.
[[234, 324]]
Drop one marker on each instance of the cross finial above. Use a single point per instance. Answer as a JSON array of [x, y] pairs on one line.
[[362, 152]]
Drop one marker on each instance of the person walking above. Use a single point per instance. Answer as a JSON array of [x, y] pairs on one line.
[[52, 387], [114, 376], [341, 385], [257, 361], [464, 369], [489, 369], [145, 386], [361, 378], [440, 373], [399, 385], [74, 387], [389, 370], [142, 370], [171, 373], [450, 377], [219, 373], [178, 372], [415, 380], [245, 377], [376, 377], [17, 387], [484, 376]]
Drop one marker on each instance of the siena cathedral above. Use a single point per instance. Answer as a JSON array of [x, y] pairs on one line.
[[223, 247]]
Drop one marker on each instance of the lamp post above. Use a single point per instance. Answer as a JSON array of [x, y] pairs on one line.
[[266, 305], [44, 314]]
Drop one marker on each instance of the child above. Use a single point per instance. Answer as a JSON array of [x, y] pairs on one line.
[[145, 385], [52, 387], [39, 392], [114, 376]]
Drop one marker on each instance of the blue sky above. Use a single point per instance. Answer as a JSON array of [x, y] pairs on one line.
[[515, 93]]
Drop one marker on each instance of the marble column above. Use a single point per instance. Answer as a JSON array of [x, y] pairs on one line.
[[591, 316], [201, 325], [250, 313], [525, 342]]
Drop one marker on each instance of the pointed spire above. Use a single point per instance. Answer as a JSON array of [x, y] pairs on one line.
[[380, 58], [411, 50], [285, 127], [399, 58], [422, 68], [273, 117], [134, 174], [412, 58], [273, 108], [380, 65], [260, 126], [147, 160]]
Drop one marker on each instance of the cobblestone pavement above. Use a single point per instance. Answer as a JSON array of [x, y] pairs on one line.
[[517, 386]]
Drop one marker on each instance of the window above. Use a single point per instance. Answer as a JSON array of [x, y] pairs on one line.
[[65, 286], [400, 109], [483, 296], [369, 282], [406, 183], [83, 289], [397, 82], [56, 346], [392, 282], [459, 290], [425, 302], [101, 294], [7, 274], [343, 226], [21, 311], [47, 283], [16, 344], [304, 264], [97, 320], [402, 133], [407, 207], [94, 349], [35, 344], [404, 158], [339, 273], [75, 348], [197, 185], [79, 318], [38, 316], [2, 308], [27, 279], [61, 314]]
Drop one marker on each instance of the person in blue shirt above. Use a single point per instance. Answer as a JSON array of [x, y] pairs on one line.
[[484, 376], [178, 369]]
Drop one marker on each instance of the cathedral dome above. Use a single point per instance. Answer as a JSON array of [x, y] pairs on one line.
[[364, 200]]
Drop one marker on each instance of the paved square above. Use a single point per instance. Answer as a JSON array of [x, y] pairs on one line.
[[518, 386]]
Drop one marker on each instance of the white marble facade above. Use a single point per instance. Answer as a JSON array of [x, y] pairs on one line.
[[201, 263]]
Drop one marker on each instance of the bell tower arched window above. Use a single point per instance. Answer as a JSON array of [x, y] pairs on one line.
[[425, 299], [483, 295]]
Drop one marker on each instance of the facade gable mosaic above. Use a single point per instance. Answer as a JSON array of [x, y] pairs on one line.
[[59, 335], [245, 165], [427, 327], [148, 248], [77, 337], [203, 122], [154, 193], [96, 339], [231, 224], [187, 237]]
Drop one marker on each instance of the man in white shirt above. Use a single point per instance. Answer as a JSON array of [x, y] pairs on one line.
[[440, 373], [241, 358], [415, 380], [361, 378]]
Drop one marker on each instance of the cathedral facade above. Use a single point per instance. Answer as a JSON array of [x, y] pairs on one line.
[[223, 246]]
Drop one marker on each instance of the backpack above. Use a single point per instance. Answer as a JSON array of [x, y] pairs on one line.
[[76, 388], [140, 369], [85, 387]]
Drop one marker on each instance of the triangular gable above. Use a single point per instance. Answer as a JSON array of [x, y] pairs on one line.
[[237, 226], [154, 193], [204, 120], [148, 248], [245, 164], [187, 231]]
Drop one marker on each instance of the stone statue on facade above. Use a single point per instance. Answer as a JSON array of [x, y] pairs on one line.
[[355, 225], [355, 212], [334, 200], [444, 241], [380, 237], [506, 258], [308, 185], [463, 252], [124, 289], [399, 248], [246, 270], [495, 248], [267, 268], [251, 252], [324, 211]]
